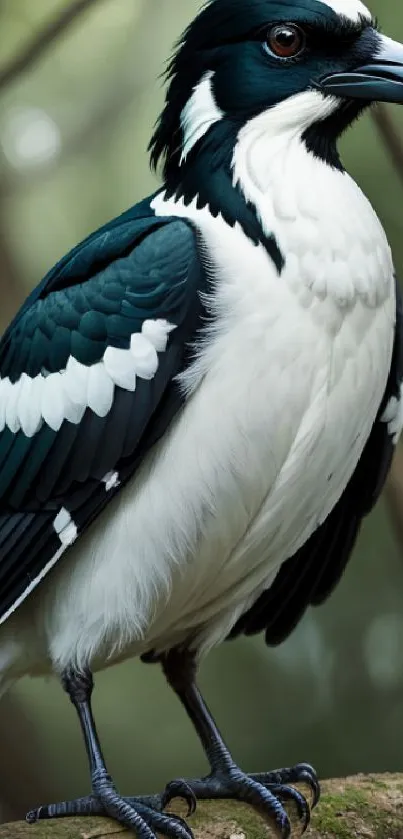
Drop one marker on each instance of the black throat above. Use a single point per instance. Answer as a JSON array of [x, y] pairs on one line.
[[321, 138], [207, 176]]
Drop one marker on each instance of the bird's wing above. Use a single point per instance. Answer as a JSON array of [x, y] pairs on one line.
[[88, 384], [310, 576]]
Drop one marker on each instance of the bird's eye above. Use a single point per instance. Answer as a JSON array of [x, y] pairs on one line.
[[285, 40]]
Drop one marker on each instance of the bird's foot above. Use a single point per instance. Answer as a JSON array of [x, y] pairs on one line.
[[143, 814], [267, 792]]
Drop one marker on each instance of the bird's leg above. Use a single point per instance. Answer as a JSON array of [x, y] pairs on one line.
[[142, 815], [267, 792]]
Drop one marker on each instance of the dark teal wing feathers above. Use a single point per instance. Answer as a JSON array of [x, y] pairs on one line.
[[139, 268]]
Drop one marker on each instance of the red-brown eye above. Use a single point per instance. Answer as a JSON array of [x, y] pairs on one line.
[[285, 40]]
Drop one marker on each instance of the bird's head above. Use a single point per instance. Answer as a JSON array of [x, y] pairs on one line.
[[312, 65]]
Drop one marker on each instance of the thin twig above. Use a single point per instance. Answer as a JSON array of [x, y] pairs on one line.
[[40, 43], [390, 136]]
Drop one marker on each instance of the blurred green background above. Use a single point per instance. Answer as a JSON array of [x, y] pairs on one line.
[[73, 136]]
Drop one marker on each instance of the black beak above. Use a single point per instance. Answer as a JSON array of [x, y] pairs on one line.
[[379, 81]]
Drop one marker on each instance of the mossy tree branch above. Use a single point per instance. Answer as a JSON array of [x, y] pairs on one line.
[[369, 806]]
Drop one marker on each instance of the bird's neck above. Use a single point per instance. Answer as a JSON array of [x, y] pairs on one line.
[[207, 177], [231, 166], [316, 224], [333, 244]]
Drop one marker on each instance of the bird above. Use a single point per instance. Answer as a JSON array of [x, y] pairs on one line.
[[200, 403]]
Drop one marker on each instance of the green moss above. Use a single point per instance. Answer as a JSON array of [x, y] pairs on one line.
[[330, 821], [347, 807], [340, 814], [244, 817], [373, 781]]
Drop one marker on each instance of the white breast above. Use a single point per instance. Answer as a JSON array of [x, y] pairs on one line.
[[282, 398], [298, 367]]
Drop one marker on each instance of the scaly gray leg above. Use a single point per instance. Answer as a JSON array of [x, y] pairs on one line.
[[142, 815], [267, 791]]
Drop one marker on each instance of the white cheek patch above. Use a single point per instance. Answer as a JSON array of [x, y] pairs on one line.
[[350, 9], [199, 114], [55, 397]]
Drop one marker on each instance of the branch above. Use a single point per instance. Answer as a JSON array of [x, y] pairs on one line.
[[40, 43], [390, 136], [368, 806]]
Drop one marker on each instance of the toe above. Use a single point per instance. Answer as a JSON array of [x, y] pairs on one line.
[[179, 789], [133, 819], [285, 794], [302, 773], [266, 802], [90, 805], [168, 825], [33, 816], [307, 775], [272, 808], [279, 818]]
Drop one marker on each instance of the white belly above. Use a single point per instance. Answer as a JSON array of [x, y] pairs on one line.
[[281, 403]]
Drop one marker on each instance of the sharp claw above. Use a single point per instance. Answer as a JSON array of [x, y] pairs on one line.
[[269, 804], [172, 826], [305, 767], [44, 812], [179, 789], [302, 805], [308, 775], [301, 773], [265, 791], [286, 793], [315, 789], [186, 832]]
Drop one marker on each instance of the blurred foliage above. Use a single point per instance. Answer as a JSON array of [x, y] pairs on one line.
[[73, 138]]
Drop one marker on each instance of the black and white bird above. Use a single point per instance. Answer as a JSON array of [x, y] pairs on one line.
[[199, 404]]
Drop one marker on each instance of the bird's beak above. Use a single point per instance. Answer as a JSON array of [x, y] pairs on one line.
[[379, 81]]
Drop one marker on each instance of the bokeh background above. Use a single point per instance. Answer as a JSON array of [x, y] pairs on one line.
[[74, 128]]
